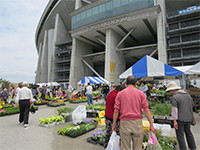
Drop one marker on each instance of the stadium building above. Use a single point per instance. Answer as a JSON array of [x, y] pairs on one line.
[[77, 38]]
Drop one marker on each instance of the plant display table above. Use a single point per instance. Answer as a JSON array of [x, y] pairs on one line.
[[164, 120], [11, 110], [51, 121], [78, 130], [55, 103], [98, 137], [78, 101]]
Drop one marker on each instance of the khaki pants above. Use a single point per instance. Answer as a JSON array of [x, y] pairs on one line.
[[131, 130]]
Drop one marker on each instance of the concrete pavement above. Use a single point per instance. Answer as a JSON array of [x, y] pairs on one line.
[[15, 137]]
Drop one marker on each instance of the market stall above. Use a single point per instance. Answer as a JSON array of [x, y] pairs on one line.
[[92, 80], [150, 67]]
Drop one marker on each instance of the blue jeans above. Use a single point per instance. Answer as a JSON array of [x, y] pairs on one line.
[[90, 99]]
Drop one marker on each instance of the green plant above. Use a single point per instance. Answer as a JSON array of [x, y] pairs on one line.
[[162, 109], [65, 110]]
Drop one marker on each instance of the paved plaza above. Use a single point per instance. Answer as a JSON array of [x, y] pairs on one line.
[[16, 137]]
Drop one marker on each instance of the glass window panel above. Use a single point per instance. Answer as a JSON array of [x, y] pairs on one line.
[[83, 15], [124, 2], [109, 5], [131, 1], [116, 3], [89, 12], [95, 10], [78, 17], [102, 8]]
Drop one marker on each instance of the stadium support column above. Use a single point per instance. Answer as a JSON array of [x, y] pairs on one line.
[[38, 72], [44, 59], [161, 32], [77, 68], [60, 36], [114, 61], [78, 4], [50, 51]]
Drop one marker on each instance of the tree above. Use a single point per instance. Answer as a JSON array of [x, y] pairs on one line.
[[4, 83]]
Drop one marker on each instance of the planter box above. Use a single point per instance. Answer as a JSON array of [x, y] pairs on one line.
[[68, 118], [55, 105], [92, 114], [78, 134], [164, 120], [90, 140]]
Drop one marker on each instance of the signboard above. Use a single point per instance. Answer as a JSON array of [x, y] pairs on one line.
[[102, 116]]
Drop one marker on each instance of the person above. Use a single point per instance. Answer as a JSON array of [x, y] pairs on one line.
[[18, 88], [129, 104], [63, 95], [54, 91], [109, 113], [4, 95], [106, 90], [13, 92], [48, 92], [113, 87], [182, 104], [70, 89], [35, 92], [143, 88], [83, 90], [24, 97], [43, 92], [89, 94]]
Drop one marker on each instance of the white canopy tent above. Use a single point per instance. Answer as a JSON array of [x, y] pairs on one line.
[[192, 69]]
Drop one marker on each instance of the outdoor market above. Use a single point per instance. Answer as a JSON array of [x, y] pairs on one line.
[[79, 114]]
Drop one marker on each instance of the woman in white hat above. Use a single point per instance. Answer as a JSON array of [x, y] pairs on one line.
[[182, 113]]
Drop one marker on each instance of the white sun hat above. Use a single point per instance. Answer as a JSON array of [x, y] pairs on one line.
[[172, 86]]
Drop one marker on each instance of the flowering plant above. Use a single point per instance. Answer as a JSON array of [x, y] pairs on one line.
[[165, 142], [99, 135]]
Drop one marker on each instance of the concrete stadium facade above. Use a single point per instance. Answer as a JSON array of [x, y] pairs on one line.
[[77, 38]]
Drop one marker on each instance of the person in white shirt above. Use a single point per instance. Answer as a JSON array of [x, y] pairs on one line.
[[24, 97], [143, 88], [89, 94]]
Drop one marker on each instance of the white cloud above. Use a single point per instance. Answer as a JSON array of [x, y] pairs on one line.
[[18, 54]]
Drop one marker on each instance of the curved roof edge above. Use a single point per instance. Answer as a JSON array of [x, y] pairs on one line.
[[43, 18]]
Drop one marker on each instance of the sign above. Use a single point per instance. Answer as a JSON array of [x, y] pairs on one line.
[[112, 66], [100, 25], [102, 121], [188, 10], [101, 114]]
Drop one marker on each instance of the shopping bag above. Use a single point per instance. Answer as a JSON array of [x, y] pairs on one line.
[[32, 110], [193, 120], [114, 142], [153, 143]]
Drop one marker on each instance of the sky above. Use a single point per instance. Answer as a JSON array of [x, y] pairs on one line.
[[18, 23]]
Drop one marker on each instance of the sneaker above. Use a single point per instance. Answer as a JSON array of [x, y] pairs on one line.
[[20, 123], [26, 125]]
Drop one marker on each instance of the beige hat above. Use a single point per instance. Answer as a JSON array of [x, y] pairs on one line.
[[172, 86]]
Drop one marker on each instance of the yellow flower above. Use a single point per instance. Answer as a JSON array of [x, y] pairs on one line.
[[3, 103], [1, 107]]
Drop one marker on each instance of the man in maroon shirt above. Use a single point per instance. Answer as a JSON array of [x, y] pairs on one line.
[[110, 102], [129, 104]]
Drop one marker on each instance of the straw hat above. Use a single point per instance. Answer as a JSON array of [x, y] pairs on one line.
[[172, 86]]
